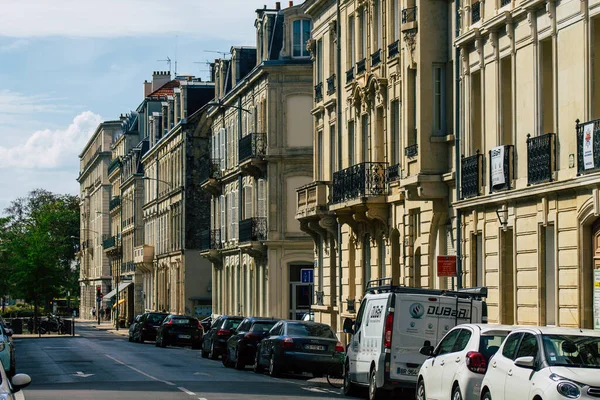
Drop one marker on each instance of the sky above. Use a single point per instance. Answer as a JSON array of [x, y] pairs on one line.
[[67, 65]]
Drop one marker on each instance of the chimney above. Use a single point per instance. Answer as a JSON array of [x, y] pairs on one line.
[[291, 4], [278, 5], [147, 88], [159, 78]]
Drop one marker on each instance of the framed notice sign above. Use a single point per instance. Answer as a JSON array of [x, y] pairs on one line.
[[497, 158], [588, 146], [446, 265]]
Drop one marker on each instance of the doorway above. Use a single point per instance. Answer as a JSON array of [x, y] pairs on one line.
[[301, 290]]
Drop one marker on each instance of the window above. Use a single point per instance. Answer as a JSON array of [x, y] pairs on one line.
[[363, 31], [360, 315], [395, 121], [332, 159], [439, 99], [528, 346], [365, 137], [447, 342], [320, 61], [222, 154], [462, 340], [350, 143], [550, 273], [301, 34], [377, 26], [396, 19], [319, 157], [351, 42], [510, 345], [262, 198], [222, 209], [248, 202], [366, 259]]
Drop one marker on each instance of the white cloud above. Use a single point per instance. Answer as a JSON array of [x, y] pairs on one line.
[[226, 19], [14, 45], [51, 148], [19, 103]]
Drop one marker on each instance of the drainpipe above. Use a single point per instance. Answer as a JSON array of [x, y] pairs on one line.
[[457, 134], [338, 77]]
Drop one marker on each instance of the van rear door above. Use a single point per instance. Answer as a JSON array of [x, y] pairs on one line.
[[370, 335]]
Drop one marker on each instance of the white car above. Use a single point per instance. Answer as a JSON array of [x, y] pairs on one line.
[[455, 368], [11, 389], [545, 363]]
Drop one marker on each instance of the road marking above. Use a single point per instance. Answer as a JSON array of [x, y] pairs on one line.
[[82, 375], [201, 398], [186, 391], [140, 372], [202, 373], [65, 347]]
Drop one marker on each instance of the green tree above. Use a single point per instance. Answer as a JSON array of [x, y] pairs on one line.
[[38, 243]]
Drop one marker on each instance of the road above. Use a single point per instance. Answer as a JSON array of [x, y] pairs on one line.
[[102, 365]]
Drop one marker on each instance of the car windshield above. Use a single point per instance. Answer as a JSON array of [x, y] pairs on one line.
[[231, 323], [310, 330], [156, 318], [262, 326], [490, 343], [572, 350]]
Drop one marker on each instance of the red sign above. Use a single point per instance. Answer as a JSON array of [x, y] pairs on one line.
[[446, 265]]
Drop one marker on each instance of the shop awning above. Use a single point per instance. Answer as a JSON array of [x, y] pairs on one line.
[[120, 302], [114, 291]]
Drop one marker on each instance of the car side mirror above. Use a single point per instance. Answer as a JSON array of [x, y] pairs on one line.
[[426, 351], [20, 381], [349, 326], [525, 362]]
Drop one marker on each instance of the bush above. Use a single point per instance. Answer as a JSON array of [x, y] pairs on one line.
[[20, 310]]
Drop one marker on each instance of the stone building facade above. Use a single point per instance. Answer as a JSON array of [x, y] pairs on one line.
[[261, 151]]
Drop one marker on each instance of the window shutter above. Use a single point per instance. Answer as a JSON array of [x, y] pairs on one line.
[[262, 198], [222, 210], [222, 152], [248, 211], [236, 216]]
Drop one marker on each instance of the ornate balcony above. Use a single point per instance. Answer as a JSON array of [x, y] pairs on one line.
[[501, 170], [393, 49], [361, 66], [312, 199], [210, 244], [143, 254], [210, 176], [252, 151], [112, 246], [588, 147], [393, 173], [366, 179], [376, 58], [114, 203], [475, 12], [114, 165], [350, 75], [411, 151], [331, 84], [541, 158], [409, 15], [253, 230], [318, 92], [471, 175]]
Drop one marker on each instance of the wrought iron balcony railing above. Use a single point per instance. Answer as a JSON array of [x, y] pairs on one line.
[[411, 151], [319, 297], [471, 175], [110, 242], [318, 92], [393, 172], [541, 158], [114, 203], [588, 146], [116, 163], [376, 58], [409, 15], [475, 12], [367, 179], [350, 75], [210, 239], [331, 84], [253, 145], [393, 49], [212, 172], [505, 2], [253, 230], [501, 170], [361, 66]]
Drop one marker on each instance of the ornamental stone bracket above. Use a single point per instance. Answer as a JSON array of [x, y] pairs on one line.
[[363, 219], [214, 256], [410, 38], [256, 250]]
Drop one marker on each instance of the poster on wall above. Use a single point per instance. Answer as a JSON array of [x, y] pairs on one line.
[[497, 156], [597, 299], [588, 146]]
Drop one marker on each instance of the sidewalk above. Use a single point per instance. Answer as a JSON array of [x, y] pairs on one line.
[[109, 327]]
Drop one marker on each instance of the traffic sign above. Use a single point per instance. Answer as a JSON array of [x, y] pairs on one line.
[[446, 265], [306, 275]]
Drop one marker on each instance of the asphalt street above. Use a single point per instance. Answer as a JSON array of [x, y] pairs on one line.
[[99, 364]]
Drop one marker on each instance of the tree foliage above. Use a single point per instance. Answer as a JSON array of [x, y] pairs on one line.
[[38, 242]]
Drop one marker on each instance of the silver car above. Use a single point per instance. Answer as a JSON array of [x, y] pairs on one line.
[[11, 389]]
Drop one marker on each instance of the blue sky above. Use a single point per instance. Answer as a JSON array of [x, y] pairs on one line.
[[66, 65]]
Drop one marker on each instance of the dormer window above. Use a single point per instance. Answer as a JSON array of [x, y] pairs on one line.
[[300, 35]]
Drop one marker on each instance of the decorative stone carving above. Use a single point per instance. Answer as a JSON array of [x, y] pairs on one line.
[[410, 38], [333, 29], [464, 57], [311, 45]]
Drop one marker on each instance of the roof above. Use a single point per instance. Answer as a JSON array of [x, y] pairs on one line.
[[488, 327], [165, 90], [552, 330]]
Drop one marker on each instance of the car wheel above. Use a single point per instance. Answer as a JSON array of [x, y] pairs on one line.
[[487, 395], [225, 359], [348, 388], [374, 392], [130, 338], [456, 395], [273, 367], [212, 355], [256, 367], [163, 342], [141, 338], [239, 364], [204, 353], [420, 393], [156, 343]]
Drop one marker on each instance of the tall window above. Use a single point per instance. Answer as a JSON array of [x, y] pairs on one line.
[[319, 157], [550, 273], [395, 121], [377, 26], [396, 19], [301, 34], [351, 42], [351, 154], [478, 260], [439, 99], [332, 159], [365, 137], [363, 33], [319, 61], [366, 259]]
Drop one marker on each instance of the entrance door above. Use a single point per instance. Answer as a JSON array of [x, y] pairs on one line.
[[301, 295]]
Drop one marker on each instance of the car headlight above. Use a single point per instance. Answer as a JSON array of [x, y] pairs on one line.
[[568, 389]]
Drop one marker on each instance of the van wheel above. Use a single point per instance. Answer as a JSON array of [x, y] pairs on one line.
[[348, 388], [420, 394], [456, 395], [374, 392], [487, 395]]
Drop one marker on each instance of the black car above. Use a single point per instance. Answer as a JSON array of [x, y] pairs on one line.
[[300, 346], [133, 326], [146, 326], [215, 340], [179, 329], [241, 346]]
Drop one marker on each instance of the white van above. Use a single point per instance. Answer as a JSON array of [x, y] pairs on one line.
[[393, 323]]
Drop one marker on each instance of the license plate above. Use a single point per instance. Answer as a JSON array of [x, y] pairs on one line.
[[314, 347], [184, 336], [408, 371]]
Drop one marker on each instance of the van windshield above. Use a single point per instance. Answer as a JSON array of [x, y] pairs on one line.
[[489, 344], [572, 351]]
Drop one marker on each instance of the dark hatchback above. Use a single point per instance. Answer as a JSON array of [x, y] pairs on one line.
[[241, 346], [215, 340], [179, 329], [146, 326], [300, 346]]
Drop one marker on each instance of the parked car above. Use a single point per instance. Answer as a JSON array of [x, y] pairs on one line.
[[455, 368], [545, 363], [7, 352], [146, 326], [206, 323], [215, 340], [133, 326], [300, 346], [179, 329], [241, 346], [393, 323], [6, 328], [8, 388]]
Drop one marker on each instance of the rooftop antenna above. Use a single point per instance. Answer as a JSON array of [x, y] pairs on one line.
[[203, 69], [168, 61], [224, 53], [176, 42]]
